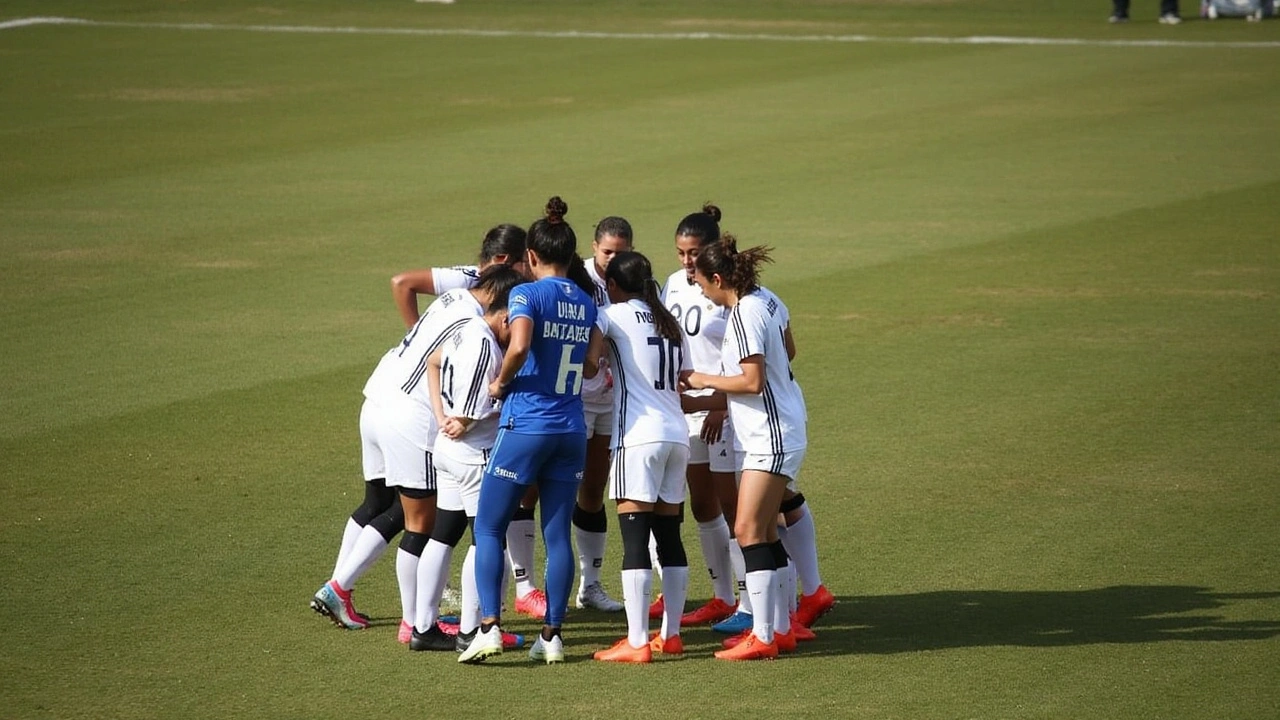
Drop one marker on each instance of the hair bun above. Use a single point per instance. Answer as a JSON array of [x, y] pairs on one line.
[[711, 210], [556, 210], [729, 243]]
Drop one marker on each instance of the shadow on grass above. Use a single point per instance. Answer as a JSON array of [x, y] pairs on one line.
[[953, 619]]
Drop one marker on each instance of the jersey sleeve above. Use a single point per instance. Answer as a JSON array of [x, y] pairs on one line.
[[749, 326], [521, 302], [459, 277]]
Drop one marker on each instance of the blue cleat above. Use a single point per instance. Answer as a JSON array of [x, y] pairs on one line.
[[734, 624]]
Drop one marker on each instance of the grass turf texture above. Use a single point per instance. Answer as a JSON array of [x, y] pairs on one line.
[[1035, 292]]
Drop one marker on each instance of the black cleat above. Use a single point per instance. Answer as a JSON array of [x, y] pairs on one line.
[[433, 639]]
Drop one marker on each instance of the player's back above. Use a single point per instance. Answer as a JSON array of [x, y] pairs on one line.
[[777, 416], [546, 395], [646, 372]]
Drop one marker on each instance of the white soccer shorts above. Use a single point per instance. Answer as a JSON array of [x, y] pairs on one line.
[[649, 472]]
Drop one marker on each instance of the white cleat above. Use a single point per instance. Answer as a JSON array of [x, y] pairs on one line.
[[594, 596], [548, 651], [483, 646]]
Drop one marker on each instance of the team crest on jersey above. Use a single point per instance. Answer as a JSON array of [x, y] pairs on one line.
[[567, 290]]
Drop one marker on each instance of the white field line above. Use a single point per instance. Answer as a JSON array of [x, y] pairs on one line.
[[574, 34]]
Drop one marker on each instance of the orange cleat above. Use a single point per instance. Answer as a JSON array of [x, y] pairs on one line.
[[713, 612], [750, 648], [657, 607], [786, 642], [814, 606], [623, 652], [671, 646], [802, 633]]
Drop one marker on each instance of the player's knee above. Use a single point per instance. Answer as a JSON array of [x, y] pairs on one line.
[[378, 498], [635, 529], [666, 532], [390, 522], [450, 526]]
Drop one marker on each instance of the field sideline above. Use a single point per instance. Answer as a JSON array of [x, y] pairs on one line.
[[1031, 262]]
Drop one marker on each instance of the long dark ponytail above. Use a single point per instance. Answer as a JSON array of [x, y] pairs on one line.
[[633, 274]]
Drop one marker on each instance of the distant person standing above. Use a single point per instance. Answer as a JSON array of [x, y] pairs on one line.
[[1168, 12]]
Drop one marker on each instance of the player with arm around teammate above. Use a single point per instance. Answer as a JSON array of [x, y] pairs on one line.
[[397, 429], [647, 352]]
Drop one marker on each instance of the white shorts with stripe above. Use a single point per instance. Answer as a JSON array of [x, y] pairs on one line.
[[720, 454], [387, 454], [786, 464], [457, 485], [649, 472]]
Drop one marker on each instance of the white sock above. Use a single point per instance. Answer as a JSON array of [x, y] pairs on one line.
[[349, 535], [801, 541], [792, 600], [520, 534], [407, 578], [590, 554], [740, 572], [433, 571], [675, 587], [713, 536], [781, 605], [469, 613], [369, 546], [762, 586], [636, 586]]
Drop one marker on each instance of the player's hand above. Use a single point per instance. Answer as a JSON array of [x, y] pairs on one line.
[[453, 428], [497, 390], [713, 427], [690, 380]]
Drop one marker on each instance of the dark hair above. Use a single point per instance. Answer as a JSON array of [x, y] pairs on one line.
[[616, 226], [505, 239], [739, 269], [498, 281], [704, 225], [578, 274], [632, 273], [551, 237]]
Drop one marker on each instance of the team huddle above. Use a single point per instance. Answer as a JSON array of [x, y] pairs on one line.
[[536, 380]]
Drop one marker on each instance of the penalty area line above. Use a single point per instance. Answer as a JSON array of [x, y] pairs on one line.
[[589, 35]]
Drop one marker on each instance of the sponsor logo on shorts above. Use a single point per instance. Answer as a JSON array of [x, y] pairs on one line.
[[504, 473]]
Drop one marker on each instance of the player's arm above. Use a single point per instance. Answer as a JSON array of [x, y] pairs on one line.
[[750, 382], [433, 385], [405, 289], [790, 342], [595, 351], [699, 403], [517, 352]]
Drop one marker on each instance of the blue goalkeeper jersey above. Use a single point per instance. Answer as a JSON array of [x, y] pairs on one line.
[[545, 398]]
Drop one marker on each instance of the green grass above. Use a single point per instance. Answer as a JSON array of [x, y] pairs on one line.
[[1036, 291]]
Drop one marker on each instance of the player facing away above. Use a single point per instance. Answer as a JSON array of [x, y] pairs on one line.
[[613, 235], [650, 452], [379, 518], [460, 372], [503, 244], [397, 429], [713, 488], [767, 410], [542, 434]]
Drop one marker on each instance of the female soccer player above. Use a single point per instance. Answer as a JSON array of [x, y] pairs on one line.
[[613, 235], [542, 436], [650, 452], [767, 410], [712, 484], [460, 372], [397, 429]]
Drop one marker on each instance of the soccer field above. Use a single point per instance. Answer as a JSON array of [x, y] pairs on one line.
[[1031, 260]]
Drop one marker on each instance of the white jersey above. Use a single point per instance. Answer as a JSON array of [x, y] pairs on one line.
[[703, 321], [597, 392], [398, 386], [646, 376], [772, 422], [458, 277], [470, 359]]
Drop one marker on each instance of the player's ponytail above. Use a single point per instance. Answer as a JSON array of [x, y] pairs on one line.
[[739, 269], [577, 272], [633, 274]]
